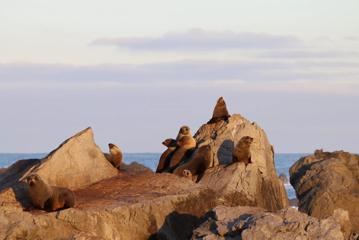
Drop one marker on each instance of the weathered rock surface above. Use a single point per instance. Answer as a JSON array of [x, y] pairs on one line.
[[326, 181], [77, 158], [131, 205], [248, 223], [256, 184]]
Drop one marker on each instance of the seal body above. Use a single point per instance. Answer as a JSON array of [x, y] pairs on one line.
[[166, 155], [220, 112], [184, 144], [200, 161], [242, 151], [115, 156], [47, 197]]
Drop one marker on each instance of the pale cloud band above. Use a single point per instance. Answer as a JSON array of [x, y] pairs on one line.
[[202, 40]]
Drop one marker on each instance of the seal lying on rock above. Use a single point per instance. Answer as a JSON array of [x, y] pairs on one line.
[[115, 155], [47, 197], [197, 164], [220, 112], [241, 152], [164, 159]]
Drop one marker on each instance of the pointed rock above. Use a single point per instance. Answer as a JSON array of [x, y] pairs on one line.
[[76, 163]]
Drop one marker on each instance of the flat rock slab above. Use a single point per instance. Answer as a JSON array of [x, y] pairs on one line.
[[127, 188]]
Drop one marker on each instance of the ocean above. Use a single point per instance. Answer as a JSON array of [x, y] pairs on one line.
[[283, 161]]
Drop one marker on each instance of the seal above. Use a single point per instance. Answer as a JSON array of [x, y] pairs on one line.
[[115, 155], [187, 174], [184, 144], [220, 112], [241, 152], [184, 131], [200, 161], [49, 198], [166, 155]]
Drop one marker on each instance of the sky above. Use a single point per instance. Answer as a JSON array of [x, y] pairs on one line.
[[135, 71]]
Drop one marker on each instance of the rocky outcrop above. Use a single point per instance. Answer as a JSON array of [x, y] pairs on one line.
[[135, 203], [131, 205], [248, 223], [326, 181], [76, 163], [256, 184], [77, 158]]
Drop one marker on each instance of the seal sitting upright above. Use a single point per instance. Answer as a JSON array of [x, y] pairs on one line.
[[115, 155], [220, 112], [166, 155], [242, 151]]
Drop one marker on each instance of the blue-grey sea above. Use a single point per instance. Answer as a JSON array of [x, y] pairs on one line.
[[283, 161]]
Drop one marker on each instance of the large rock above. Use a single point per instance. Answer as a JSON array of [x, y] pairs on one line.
[[76, 163], [248, 223], [256, 184], [131, 205], [326, 181]]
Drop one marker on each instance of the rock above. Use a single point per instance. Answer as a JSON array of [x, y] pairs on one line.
[[256, 184], [326, 181], [131, 205], [77, 158], [76, 163], [138, 204], [248, 223]]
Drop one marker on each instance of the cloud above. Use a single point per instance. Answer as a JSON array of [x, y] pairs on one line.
[[202, 40], [309, 54], [264, 76]]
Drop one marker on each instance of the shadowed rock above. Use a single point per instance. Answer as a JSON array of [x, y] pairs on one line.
[[248, 223], [326, 181]]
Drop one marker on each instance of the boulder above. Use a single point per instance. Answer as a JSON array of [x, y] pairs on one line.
[[76, 163], [248, 223], [256, 184], [326, 181]]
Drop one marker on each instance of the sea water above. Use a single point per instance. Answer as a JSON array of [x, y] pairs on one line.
[[283, 161]]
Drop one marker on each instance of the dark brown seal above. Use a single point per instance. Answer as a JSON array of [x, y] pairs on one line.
[[49, 198], [200, 161], [242, 152], [220, 112], [165, 157]]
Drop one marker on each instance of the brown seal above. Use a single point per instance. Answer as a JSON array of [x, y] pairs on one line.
[[115, 155], [200, 161], [220, 112], [47, 197], [164, 159], [242, 152], [184, 131], [184, 144]]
